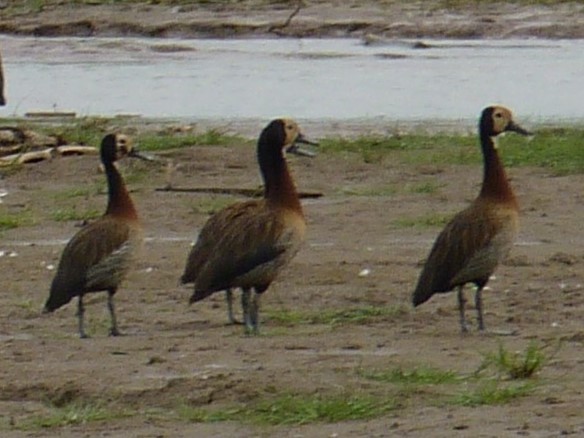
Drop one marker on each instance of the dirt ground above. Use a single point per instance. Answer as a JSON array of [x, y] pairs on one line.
[[316, 18], [174, 354]]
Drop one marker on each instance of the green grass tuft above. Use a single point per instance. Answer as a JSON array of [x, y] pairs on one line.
[[492, 393], [516, 365], [72, 214], [416, 376], [85, 131], [9, 221], [296, 409], [387, 190], [358, 315], [163, 141], [211, 204], [428, 220], [557, 149], [305, 409], [424, 188], [76, 192], [74, 413]]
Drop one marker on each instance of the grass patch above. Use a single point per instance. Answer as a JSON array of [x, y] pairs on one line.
[[388, 190], [515, 365], [358, 315], [557, 149], [9, 221], [492, 393], [297, 409], [74, 413], [391, 189], [163, 141], [72, 214], [86, 131], [426, 188], [417, 376], [425, 221], [76, 192], [212, 204], [304, 409]]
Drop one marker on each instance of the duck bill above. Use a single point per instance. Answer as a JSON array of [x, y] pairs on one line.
[[135, 153], [295, 149], [512, 126]]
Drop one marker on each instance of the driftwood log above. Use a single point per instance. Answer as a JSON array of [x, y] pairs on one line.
[[45, 154]]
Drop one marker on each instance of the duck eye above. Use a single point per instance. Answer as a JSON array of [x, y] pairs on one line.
[[498, 115]]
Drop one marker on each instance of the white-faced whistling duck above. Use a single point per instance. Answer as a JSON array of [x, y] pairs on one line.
[[247, 244], [473, 243], [99, 256]]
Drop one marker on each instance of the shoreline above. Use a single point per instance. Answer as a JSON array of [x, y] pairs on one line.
[[318, 19], [320, 127]]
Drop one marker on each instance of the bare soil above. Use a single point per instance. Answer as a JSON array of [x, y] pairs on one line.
[[253, 18], [174, 354]]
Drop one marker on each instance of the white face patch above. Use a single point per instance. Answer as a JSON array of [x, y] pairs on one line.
[[291, 130]]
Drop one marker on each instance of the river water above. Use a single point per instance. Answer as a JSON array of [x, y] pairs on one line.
[[306, 78]]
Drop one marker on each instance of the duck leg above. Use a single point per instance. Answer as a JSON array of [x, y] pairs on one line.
[[254, 308], [461, 304], [112, 310], [479, 306], [246, 305], [229, 299], [80, 315]]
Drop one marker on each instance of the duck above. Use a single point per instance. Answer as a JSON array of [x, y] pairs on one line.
[[99, 256], [478, 238], [247, 244]]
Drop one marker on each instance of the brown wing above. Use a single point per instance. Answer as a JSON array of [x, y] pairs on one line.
[[96, 258], [252, 247], [461, 254], [211, 234]]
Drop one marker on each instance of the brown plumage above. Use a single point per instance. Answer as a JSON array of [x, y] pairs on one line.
[[473, 243], [247, 244], [100, 255]]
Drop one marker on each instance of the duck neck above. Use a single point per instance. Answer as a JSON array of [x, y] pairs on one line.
[[279, 187], [495, 184], [119, 202]]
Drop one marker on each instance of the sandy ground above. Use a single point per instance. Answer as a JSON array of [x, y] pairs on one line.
[[428, 19], [173, 354]]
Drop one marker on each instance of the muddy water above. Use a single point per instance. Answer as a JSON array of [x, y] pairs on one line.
[[331, 78]]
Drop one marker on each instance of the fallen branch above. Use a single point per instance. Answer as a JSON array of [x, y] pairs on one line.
[[275, 27], [252, 193], [27, 157], [76, 150]]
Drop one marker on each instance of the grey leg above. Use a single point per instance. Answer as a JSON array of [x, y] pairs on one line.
[[246, 304], [479, 306], [461, 303], [112, 310], [229, 299], [80, 315], [254, 313]]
